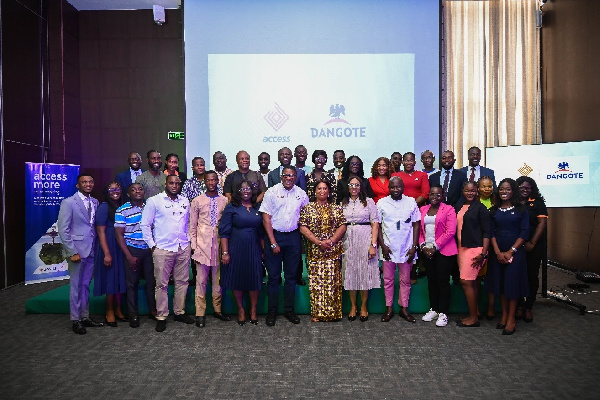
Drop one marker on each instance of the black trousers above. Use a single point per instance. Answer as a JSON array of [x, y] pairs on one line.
[[288, 258], [132, 279], [438, 275], [534, 260]]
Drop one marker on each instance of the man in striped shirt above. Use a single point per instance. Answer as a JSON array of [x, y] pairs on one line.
[[136, 251]]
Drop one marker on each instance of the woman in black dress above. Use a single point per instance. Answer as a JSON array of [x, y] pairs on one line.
[[536, 247], [353, 167], [507, 271], [240, 230]]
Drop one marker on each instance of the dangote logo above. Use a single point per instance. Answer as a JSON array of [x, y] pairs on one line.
[[335, 111], [564, 173]]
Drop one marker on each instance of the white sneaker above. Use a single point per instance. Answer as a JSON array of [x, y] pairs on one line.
[[442, 320], [430, 316]]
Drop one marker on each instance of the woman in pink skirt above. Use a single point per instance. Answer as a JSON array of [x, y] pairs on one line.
[[473, 232]]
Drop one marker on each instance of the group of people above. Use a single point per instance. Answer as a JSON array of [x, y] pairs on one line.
[[235, 226]]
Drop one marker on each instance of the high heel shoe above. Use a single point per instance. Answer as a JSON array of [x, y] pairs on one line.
[[364, 318], [500, 326], [505, 332], [253, 321], [111, 324], [351, 317], [240, 323]]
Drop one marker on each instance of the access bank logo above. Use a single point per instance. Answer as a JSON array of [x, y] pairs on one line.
[[276, 118], [336, 126], [566, 170]]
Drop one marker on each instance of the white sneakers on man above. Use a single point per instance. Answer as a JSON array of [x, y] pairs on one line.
[[430, 316], [442, 320]]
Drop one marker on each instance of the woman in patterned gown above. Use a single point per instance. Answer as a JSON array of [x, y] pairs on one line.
[[323, 224], [319, 158]]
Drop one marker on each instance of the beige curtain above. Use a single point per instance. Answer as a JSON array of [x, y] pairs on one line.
[[492, 75]]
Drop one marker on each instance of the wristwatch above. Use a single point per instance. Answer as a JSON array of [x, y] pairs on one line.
[[225, 253], [513, 249], [374, 245], [274, 245]]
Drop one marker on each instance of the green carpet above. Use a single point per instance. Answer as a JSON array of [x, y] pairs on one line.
[[57, 301]]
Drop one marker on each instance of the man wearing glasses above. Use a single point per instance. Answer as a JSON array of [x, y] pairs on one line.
[[285, 158], [281, 212], [165, 230]]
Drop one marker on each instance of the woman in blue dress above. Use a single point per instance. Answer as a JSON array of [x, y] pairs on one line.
[[109, 267], [507, 271], [241, 233]]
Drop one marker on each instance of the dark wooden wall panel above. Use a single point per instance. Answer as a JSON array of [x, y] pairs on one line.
[[131, 87], [570, 103], [24, 108]]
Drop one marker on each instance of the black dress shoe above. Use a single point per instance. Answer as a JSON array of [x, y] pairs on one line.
[[271, 318], [222, 316], [134, 321], [161, 325], [292, 317], [301, 282], [111, 324], [78, 328], [186, 319], [201, 322], [90, 323]]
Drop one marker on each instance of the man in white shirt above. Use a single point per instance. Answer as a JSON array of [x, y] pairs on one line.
[[165, 229], [398, 240], [281, 212]]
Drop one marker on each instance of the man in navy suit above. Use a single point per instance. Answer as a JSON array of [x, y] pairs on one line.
[[475, 171], [76, 230], [285, 158], [127, 177], [449, 178]]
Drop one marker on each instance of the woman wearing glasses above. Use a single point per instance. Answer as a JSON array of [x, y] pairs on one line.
[[352, 168], [241, 233], [323, 225], [360, 265], [319, 158], [109, 266], [536, 246]]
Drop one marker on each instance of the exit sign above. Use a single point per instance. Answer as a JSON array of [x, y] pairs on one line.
[[176, 135]]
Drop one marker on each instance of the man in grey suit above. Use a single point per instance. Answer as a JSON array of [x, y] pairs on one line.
[[285, 159], [475, 171], [76, 230]]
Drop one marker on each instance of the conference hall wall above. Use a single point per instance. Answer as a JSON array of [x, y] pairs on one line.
[[357, 75], [570, 103], [107, 83]]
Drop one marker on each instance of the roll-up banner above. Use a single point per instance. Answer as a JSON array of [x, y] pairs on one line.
[[46, 185]]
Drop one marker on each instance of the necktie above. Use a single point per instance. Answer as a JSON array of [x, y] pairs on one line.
[[446, 180], [89, 207], [472, 177], [339, 174]]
